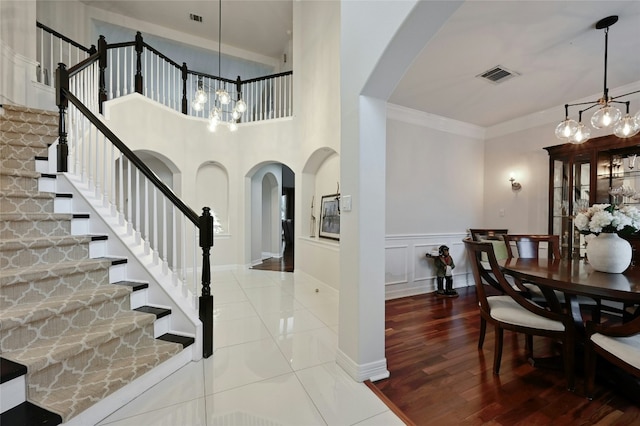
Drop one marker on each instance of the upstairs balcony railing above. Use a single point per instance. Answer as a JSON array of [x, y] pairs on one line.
[[136, 67]]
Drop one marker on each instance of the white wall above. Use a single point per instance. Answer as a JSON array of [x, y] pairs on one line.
[[434, 180], [18, 63], [144, 125], [434, 188], [316, 65]]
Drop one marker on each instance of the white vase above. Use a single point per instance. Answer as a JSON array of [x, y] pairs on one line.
[[609, 253]]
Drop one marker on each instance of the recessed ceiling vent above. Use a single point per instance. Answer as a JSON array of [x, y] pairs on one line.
[[498, 74], [195, 17]]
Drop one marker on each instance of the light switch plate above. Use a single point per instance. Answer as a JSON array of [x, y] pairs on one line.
[[346, 203]]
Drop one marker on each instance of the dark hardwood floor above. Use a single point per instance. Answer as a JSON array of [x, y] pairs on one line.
[[282, 264], [439, 377]]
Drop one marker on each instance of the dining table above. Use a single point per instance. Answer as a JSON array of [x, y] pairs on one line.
[[575, 277]]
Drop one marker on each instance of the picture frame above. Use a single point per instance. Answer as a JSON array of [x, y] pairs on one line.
[[330, 217]]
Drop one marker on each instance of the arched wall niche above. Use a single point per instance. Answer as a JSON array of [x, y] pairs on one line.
[[163, 167], [320, 176], [212, 190]]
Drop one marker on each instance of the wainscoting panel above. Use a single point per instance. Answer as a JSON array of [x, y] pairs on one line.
[[410, 272], [396, 271]]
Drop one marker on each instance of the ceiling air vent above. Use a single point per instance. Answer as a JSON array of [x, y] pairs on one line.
[[195, 17], [498, 74]]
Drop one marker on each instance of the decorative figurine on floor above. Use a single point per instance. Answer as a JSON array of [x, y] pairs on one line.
[[444, 275]]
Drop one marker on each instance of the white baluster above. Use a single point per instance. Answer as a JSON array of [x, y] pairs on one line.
[[183, 248], [51, 66], [147, 216], [120, 206], [138, 206], [118, 76], [132, 71], [175, 241], [154, 223], [129, 199], [165, 235], [112, 180]]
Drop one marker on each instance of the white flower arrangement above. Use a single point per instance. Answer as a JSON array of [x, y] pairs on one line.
[[608, 218]]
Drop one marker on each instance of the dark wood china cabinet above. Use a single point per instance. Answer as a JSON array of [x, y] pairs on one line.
[[581, 175]]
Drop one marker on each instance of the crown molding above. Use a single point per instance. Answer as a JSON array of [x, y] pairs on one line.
[[432, 121], [551, 117]]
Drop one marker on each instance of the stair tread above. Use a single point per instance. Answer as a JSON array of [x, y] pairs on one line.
[[60, 240], [79, 395], [29, 414], [24, 313], [135, 285], [176, 338], [154, 310], [9, 370], [19, 172], [27, 194], [47, 351], [41, 271], [35, 216]]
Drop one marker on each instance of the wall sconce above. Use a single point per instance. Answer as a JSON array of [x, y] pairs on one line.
[[515, 186]]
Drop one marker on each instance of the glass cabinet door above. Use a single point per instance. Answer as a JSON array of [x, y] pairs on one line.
[[561, 202], [581, 196]]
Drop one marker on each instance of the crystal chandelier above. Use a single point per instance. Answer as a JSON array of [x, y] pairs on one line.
[[225, 110], [608, 115]]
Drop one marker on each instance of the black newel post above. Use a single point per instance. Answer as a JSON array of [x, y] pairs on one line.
[[239, 87], [62, 87], [102, 65], [206, 300], [184, 87], [139, 48]]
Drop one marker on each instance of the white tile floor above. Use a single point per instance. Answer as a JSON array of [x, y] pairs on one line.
[[274, 363]]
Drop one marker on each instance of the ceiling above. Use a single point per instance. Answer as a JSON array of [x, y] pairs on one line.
[[552, 45]]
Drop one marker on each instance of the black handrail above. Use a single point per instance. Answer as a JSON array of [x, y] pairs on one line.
[[162, 56], [90, 50], [213, 77], [123, 44], [131, 156], [267, 77], [85, 63]]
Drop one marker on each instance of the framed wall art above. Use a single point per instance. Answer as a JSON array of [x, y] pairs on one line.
[[330, 217]]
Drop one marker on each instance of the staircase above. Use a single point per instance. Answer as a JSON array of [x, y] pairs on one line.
[[67, 330]]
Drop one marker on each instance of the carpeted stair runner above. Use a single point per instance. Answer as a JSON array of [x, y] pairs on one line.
[[59, 315]]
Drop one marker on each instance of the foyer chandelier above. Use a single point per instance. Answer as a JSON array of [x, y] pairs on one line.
[[225, 110], [608, 115]]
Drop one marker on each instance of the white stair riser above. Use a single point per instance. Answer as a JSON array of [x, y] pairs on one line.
[[161, 326], [46, 184], [12, 393]]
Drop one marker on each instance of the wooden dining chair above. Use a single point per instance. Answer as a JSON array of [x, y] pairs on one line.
[[512, 311], [619, 344], [478, 234], [527, 246]]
